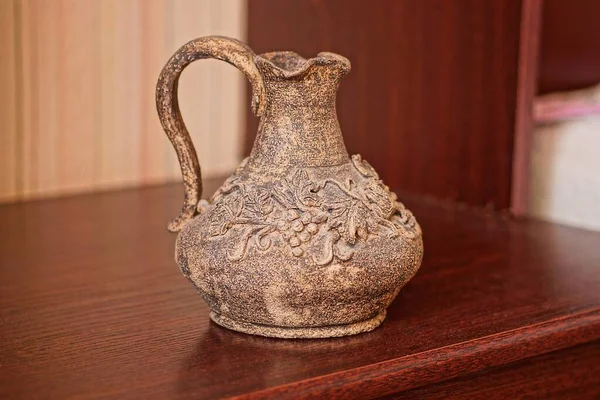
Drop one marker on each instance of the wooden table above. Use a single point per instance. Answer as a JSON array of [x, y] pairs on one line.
[[92, 305]]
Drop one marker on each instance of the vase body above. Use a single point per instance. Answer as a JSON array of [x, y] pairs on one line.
[[303, 240]]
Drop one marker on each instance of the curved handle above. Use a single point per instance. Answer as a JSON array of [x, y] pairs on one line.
[[230, 50]]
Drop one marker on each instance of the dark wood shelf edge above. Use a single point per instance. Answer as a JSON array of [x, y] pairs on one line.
[[441, 364]]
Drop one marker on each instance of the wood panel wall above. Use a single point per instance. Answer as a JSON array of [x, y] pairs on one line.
[[432, 96], [570, 45], [78, 80]]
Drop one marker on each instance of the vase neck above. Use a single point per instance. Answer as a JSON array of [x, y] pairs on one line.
[[299, 125]]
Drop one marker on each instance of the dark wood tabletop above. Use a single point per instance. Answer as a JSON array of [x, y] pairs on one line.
[[92, 305]]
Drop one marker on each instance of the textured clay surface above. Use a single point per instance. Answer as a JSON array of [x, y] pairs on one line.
[[302, 241]]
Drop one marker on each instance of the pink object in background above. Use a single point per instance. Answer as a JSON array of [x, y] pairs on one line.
[[566, 105]]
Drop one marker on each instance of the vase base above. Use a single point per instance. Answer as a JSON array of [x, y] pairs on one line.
[[310, 332]]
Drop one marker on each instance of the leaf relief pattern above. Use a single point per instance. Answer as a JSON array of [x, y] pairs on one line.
[[324, 218]]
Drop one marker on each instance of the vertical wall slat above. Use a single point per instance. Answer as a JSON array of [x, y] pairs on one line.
[[531, 29], [27, 104], [153, 142], [108, 171], [8, 103], [45, 22], [121, 56], [75, 156]]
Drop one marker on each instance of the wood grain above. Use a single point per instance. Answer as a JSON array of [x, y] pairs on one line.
[[93, 305], [447, 362], [431, 98], [567, 374]]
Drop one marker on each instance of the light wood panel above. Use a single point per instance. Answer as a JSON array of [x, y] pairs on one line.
[[156, 45], [79, 76], [76, 76], [8, 116], [121, 41]]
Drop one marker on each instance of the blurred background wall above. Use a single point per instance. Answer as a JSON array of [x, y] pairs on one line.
[[78, 79], [447, 87]]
